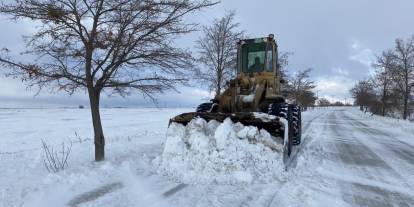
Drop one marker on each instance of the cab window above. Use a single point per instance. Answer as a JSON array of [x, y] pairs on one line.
[[269, 58], [254, 57]]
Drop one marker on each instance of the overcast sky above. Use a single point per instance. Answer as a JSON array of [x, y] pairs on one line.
[[339, 39]]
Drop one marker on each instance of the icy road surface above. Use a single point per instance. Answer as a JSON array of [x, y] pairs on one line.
[[347, 159]]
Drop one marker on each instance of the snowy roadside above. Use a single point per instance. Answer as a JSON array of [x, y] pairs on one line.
[[135, 138]]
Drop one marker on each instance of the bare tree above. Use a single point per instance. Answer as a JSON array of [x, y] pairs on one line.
[[283, 62], [393, 82], [324, 102], [307, 99], [403, 72], [218, 52], [300, 88], [337, 103], [382, 79], [103, 45], [364, 94]]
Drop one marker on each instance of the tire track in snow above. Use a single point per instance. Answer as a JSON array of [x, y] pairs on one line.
[[401, 149], [95, 194], [366, 164], [306, 138], [269, 194], [101, 191], [382, 133]]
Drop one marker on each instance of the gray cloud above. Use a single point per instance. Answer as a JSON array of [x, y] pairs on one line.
[[339, 39]]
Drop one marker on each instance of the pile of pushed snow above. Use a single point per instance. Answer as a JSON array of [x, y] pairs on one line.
[[225, 152]]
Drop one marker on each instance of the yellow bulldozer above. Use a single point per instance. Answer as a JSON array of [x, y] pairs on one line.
[[256, 92]]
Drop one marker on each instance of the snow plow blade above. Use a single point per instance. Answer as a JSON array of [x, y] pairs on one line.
[[276, 126], [247, 119]]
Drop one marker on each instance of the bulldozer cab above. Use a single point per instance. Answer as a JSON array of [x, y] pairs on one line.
[[257, 56]]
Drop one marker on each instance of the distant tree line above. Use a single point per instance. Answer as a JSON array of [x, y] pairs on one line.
[[389, 92], [325, 102]]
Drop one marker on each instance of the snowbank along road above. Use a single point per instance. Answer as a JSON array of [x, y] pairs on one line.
[[347, 159]]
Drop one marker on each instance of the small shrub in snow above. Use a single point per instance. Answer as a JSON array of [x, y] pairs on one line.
[[54, 160], [79, 139]]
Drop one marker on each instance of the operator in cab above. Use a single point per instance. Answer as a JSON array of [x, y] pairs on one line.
[[257, 66]]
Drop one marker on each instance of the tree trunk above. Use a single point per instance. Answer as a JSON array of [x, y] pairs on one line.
[[407, 89], [99, 139], [383, 105], [218, 91], [405, 113], [218, 85]]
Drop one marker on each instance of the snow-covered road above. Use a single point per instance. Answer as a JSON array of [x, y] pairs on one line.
[[371, 165], [347, 159], [380, 159]]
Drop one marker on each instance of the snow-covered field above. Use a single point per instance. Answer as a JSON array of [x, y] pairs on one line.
[[347, 159]]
